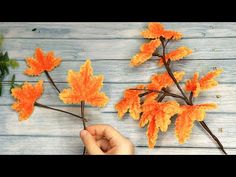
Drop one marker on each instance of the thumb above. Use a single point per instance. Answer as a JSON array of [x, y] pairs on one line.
[[90, 143]]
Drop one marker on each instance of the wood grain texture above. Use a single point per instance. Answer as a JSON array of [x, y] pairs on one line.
[[80, 49], [118, 70], [110, 47], [46, 123], [224, 95], [111, 30], [72, 146]]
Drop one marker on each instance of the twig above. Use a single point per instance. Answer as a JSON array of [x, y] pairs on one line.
[[162, 97], [172, 94], [59, 110], [170, 72], [168, 41], [221, 147], [144, 94], [84, 125], [52, 82], [164, 91], [191, 98]]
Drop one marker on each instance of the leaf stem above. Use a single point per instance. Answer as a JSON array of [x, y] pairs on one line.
[[203, 124], [164, 91], [51, 80], [170, 72], [59, 110], [162, 97], [84, 125], [191, 98]]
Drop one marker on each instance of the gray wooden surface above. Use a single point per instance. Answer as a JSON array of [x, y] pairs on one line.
[[110, 47]]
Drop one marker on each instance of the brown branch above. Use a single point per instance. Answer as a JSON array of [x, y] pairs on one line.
[[157, 54], [162, 97], [84, 125], [172, 94], [170, 72], [203, 124], [82, 113], [191, 98], [163, 91], [168, 41], [52, 82], [59, 110], [144, 94]]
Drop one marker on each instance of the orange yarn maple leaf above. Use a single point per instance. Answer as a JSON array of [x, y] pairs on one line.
[[157, 116], [156, 30], [26, 97], [146, 52], [159, 81], [131, 103], [185, 120], [176, 55], [207, 82], [41, 62], [84, 87]]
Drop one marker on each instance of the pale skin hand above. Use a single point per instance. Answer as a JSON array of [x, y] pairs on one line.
[[105, 140]]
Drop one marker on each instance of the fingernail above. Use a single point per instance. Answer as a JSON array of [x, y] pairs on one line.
[[83, 133]]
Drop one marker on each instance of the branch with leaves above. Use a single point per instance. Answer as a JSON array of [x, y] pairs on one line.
[[27, 94], [84, 87], [146, 102]]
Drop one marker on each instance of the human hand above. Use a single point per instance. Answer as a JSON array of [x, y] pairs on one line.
[[104, 139]]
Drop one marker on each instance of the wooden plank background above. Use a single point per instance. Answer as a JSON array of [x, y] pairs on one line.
[[110, 47]]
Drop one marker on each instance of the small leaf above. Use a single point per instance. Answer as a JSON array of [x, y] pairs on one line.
[[5, 56], [41, 62], [12, 82], [0, 87], [1, 40], [130, 103], [24, 105], [206, 82], [13, 63]]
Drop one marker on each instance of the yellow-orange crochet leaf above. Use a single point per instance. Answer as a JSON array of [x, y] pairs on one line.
[[159, 81], [176, 55], [193, 85], [186, 118], [169, 34], [206, 82], [156, 30], [131, 103], [26, 97], [84, 87], [42, 62], [146, 52], [157, 116]]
